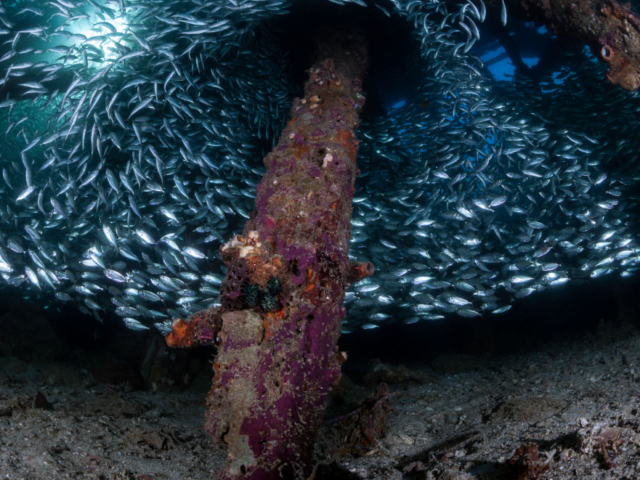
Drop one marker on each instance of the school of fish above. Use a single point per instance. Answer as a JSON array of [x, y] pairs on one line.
[[119, 188]]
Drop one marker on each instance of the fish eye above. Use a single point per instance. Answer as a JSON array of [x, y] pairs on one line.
[[606, 52]]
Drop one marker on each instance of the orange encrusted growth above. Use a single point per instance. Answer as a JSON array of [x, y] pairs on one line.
[[359, 271], [201, 328], [181, 334], [312, 279], [347, 139], [300, 150], [270, 320]]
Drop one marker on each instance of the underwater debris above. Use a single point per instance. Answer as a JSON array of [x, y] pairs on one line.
[[360, 429], [42, 402], [600, 441], [525, 464]]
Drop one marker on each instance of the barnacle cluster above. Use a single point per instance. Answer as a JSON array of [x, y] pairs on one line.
[[253, 295], [268, 303], [274, 286]]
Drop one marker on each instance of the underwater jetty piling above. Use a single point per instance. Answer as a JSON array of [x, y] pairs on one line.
[[282, 300], [611, 30]]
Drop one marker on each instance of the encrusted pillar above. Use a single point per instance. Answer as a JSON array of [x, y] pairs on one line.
[[283, 297]]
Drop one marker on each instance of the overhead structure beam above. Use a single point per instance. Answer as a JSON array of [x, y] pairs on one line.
[[611, 30]]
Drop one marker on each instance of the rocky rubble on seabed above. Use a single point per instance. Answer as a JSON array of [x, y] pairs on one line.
[[569, 410]]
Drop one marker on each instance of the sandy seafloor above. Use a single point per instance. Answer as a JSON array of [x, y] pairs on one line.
[[460, 417]]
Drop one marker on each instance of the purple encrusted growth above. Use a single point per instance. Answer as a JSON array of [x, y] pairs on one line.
[[232, 289], [206, 335]]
